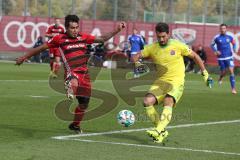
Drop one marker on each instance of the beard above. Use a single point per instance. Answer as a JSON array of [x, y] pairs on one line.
[[162, 44]]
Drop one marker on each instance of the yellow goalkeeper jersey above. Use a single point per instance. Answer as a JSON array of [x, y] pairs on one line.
[[169, 60]]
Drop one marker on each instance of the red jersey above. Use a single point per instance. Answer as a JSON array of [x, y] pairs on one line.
[[74, 49], [52, 29]]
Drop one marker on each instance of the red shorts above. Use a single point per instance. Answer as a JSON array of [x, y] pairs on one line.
[[54, 52], [84, 84]]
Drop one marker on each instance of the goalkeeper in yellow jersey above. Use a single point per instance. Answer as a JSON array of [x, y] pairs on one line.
[[168, 87]]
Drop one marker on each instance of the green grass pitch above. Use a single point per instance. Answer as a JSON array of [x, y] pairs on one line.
[[28, 122]]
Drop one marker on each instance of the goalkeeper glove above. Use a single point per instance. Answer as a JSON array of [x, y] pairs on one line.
[[141, 68], [208, 80]]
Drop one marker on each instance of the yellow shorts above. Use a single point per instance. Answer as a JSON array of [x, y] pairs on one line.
[[161, 88]]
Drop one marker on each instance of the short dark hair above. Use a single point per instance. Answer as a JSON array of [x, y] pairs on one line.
[[71, 18], [223, 24], [162, 27]]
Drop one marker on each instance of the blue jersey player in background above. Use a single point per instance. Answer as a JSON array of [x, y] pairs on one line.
[[137, 43], [224, 46]]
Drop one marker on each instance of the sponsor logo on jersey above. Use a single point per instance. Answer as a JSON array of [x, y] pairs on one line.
[[172, 52], [76, 46]]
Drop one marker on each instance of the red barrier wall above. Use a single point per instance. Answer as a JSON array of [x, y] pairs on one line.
[[19, 33]]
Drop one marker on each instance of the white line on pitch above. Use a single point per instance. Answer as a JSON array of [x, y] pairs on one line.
[[159, 147], [143, 129], [38, 96]]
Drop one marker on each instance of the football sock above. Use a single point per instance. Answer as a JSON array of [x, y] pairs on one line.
[[166, 117], [232, 81], [152, 114], [78, 115]]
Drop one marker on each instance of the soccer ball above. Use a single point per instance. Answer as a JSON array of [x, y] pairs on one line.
[[126, 118]]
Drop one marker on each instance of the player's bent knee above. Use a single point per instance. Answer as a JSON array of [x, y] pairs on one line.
[[149, 100], [169, 101], [223, 72], [83, 106], [83, 101], [231, 70], [57, 59]]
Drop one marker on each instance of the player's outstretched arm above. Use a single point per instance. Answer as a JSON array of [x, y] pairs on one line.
[[199, 62], [30, 53], [107, 36]]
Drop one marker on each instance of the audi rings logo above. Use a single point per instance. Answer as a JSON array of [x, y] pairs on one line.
[[21, 33]]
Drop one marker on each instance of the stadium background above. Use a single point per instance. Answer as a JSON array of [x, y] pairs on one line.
[[194, 21]]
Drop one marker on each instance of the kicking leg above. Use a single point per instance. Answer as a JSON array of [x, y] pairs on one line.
[[159, 133], [79, 113], [149, 102]]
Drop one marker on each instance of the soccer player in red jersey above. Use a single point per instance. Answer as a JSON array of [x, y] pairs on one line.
[[55, 60], [72, 45]]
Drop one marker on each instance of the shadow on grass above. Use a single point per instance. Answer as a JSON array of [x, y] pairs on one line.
[[20, 133]]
